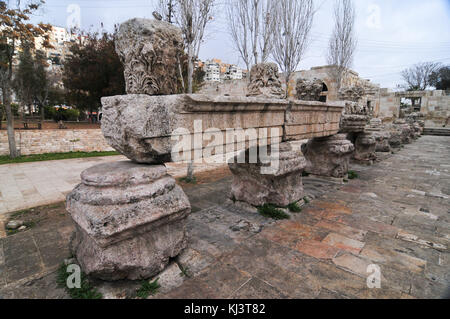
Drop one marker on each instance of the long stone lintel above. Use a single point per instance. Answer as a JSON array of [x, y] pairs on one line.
[[141, 127]]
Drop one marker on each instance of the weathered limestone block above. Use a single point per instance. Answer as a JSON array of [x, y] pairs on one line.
[[309, 90], [146, 128], [279, 187], [354, 93], [328, 156], [130, 219], [309, 119], [265, 82], [149, 51], [417, 130], [396, 135], [365, 148], [382, 139], [380, 134], [352, 123]]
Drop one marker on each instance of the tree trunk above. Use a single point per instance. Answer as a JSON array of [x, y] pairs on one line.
[[190, 69], [1, 115], [13, 153], [180, 70]]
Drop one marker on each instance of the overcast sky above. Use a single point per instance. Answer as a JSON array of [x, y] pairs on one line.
[[392, 34]]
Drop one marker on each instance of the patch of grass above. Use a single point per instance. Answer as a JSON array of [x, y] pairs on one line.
[[306, 200], [188, 180], [148, 288], [86, 291], [271, 211], [352, 175], [294, 208], [184, 271], [5, 159]]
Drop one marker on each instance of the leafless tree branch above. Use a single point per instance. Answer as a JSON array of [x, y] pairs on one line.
[[418, 76], [291, 34], [342, 45]]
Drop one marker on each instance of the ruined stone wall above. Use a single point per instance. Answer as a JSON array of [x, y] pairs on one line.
[[55, 141], [435, 105]]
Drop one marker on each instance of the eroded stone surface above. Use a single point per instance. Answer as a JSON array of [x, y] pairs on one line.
[[328, 156], [130, 219], [265, 82], [365, 148], [281, 186], [353, 123], [309, 90], [147, 128], [149, 51]]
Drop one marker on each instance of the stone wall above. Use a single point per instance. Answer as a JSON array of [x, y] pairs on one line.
[[435, 105], [55, 141]]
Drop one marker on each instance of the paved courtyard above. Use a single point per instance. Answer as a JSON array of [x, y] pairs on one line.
[[396, 216], [33, 184]]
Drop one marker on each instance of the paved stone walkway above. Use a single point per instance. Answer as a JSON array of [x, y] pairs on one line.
[[27, 185], [396, 215]]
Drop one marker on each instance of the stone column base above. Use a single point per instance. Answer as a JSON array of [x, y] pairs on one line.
[[328, 156], [365, 148], [130, 219], [280, 187]]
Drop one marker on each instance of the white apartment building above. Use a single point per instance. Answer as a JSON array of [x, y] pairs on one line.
[[212, 71], [234, 73]]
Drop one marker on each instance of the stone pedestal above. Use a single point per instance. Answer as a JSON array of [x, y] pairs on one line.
[[380, 134], [365, 148], [257, 184], [130, 219], [351, 123], [328, 156], [382, 139]]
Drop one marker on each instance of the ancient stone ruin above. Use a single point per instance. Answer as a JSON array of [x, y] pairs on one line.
[[328, 156], [309, 90], [130, 216], [149, 51], [279, 187], [265, 81], [130, 220]]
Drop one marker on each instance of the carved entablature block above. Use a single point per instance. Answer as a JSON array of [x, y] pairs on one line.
[[149, 51], [309, 90], [265, 81]]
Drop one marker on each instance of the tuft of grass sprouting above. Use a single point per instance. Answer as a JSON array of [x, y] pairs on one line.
[[294, 207], [86, 291], [148, 288], [352, 175], [271, 211]]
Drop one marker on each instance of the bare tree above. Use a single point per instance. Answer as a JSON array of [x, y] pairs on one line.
[[251, 24], [192, 17], [291, 35], [418, 76], [15, 28], [342, 45], [166, 8]]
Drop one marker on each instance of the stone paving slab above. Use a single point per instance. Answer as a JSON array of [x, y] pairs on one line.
[[322, 252], [27, 185]]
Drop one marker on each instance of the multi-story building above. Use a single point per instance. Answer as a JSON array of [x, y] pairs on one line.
[[212, 71], [217, 71], [233, 73]]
